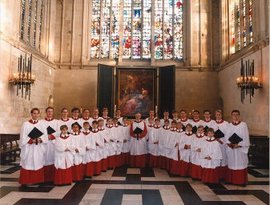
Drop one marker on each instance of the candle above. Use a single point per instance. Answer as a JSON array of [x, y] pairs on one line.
[[242, 68], [252, 67]]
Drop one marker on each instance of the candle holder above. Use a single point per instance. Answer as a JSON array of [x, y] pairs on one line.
[[23, 78], [247, 82]]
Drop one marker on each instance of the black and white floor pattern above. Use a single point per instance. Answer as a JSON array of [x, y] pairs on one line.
[[133, 186]]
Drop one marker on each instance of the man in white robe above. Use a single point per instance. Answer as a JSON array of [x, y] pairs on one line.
[[33, 139], [138, 142], [237, 150], [51, 126]]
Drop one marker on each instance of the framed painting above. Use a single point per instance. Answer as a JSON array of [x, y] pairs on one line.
[[136, 91]]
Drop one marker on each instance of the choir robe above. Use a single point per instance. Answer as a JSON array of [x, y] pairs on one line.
[[153, 146], [94, 119], [49, 155], [110, 146], [66, 122], [78, 142], [165, 132], [211, 149], [222, 126], [63, 160], [90, 145], [238, 157], [82, 120], [185, 121], [209, 124], [125, 134], [147, 121], [100, 151], [196, 123], [173, 155], [185, 154], [118, 144], [196, 169], [162, 121], [138, 145], [106, 149], [32, 154]]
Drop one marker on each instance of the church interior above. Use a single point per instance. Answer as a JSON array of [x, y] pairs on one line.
[[186, 55]]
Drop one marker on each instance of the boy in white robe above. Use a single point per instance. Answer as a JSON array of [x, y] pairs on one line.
[[106, 149], [78, 144], [51, 126], [185, 151], [165, 131], [126, 141], [237, 152], [153, 147], [196, 149], [110, 143], [99, 154], [151, 117], [95, 116], [166, 116], [33, 139], [90, 148], [118, 142], [119, 117], [63, 158], [210, 158]]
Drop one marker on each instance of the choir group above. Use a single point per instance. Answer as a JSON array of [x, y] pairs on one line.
[[72, 148]]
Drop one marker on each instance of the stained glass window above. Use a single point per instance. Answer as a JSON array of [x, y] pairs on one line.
[[144, 25], [32, 22], [240, 24]]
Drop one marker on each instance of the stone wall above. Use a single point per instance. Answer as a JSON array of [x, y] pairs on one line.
[[256, 113]]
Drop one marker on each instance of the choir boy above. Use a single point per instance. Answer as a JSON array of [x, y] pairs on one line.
[[63, 158], [126, 141], [78, 143], [51, 126], [138, 143], [153, 147], [33, 139], [118, 142], [173, 145], [210, 158], [196, 149], [238, 143], [106, 149], [99, 154], [165, 132], [90, 145], [185, 150], [110, 143]]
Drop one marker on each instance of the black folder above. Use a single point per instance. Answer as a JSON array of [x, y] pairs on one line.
[[35, 133], [235, 139], [50, 130], [138, 130], [219, 134]]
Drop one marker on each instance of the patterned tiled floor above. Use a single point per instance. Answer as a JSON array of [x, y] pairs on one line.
[[132, 186]]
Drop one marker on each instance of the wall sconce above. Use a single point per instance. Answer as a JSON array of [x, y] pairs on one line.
[[247, 81], [23, 78]]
